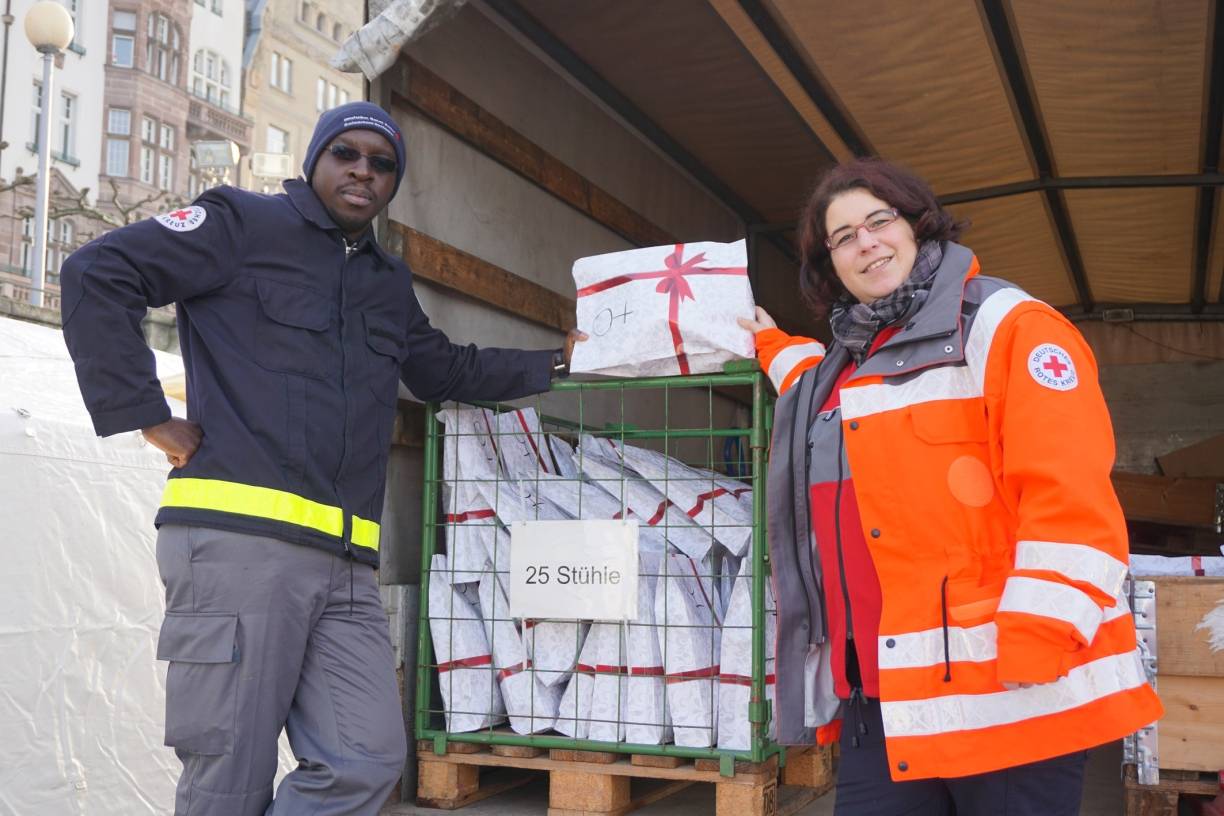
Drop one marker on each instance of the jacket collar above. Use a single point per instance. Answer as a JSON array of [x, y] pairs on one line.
[[940, 314], [306, 202]]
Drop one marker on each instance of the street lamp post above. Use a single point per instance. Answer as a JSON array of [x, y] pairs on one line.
[[49, 28]]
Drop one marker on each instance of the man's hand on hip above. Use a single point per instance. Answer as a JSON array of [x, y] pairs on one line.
[[177, 438]]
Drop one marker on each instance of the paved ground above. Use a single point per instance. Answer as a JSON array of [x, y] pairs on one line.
[[1102, 796]]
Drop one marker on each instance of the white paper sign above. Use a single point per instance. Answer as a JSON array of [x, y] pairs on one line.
[[574, 569]]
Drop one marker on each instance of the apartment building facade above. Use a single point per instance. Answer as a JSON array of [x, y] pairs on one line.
[[144, 88], [289, 82]]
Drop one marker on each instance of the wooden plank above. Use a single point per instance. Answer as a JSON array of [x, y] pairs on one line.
[[1202, 460], [567, 755], [422, 90], [445, 783], [1182, 603], [739, 800], [1189, 733], [812, 768], [1150, 802], [571, 793], [520, 751], [439, 262], [622, 767], [1167, 500], [657, 761], [426, 747]]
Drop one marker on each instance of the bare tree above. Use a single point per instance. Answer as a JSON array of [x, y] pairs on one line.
[[109, 213]]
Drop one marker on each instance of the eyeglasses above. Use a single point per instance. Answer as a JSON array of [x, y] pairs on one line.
[[875, 222], [348, 155]]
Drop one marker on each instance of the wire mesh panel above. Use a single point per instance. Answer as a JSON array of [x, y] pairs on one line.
[[691, 672]]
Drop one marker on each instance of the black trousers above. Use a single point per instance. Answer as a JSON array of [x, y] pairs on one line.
[[1052, 787]]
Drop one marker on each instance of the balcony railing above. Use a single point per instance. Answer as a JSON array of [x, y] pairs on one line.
[[211, 118], [14, 286]]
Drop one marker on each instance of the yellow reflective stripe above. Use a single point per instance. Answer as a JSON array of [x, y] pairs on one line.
[[365, 533], [261, 502]]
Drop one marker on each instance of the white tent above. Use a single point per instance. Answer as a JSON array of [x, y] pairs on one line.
[[81, 694]]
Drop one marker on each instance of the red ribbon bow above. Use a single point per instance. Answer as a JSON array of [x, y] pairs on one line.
[[673, 283]]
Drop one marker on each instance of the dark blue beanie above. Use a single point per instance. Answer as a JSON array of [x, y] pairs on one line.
[[354, 116]]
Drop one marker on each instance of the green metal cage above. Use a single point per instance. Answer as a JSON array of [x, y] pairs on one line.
[[684, 417]]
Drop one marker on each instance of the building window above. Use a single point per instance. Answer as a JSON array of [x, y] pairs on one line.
[[327, 96], [167, 138], [67, 125], [119, 121], [162, 48], [165, 171], [123, 38], [74, 11], [282, 72], [210, 77], [146, 164], [277, 141], [117, 157], [336, 32], [321, 23], [305, 12], [148, 130]]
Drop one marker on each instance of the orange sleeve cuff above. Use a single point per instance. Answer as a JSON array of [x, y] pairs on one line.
[[1027, 655], [829, 734]]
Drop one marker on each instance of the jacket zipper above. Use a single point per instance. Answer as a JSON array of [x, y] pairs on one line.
[[841, 559], [346, 522]]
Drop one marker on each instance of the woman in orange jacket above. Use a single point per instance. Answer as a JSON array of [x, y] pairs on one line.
[[948, 553]]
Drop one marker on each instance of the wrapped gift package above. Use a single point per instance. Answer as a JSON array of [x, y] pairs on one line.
[[470, 696], [660, 311], [679, 673]]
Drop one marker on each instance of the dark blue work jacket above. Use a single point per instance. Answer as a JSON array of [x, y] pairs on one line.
[[293, 349]]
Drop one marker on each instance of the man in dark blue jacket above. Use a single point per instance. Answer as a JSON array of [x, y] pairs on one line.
[[296, 328]]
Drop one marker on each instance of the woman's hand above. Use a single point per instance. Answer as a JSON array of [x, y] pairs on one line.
[[763, 321]]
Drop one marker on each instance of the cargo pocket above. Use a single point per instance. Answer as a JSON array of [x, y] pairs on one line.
[[201, 681], [291, 334], [386, 352]]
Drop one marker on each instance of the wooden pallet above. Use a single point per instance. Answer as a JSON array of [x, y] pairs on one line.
[[586, 783], [1161, 799]]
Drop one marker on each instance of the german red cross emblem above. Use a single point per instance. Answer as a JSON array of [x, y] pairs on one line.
[[184, 219], [1052, 367]]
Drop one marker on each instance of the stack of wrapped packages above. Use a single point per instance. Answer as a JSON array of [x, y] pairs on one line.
[[680, 673]]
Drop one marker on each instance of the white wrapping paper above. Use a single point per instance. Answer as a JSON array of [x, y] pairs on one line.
[[665, 310], [563, 456], [552, 645], [600, 664], [689, 640], [645, 707], [735, 660], [531, 705], [648, 504], [521, 444], [468, 458], [470, 696], [710, 506]]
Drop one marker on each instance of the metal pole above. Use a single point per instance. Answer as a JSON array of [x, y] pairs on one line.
[[39, 261]]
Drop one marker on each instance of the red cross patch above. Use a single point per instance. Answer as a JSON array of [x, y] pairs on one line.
[[1051, 366], [184, 219]]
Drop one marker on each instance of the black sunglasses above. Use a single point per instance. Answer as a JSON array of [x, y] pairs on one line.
[[349, 155]]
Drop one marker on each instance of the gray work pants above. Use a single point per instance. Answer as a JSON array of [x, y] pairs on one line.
[[260, 635]]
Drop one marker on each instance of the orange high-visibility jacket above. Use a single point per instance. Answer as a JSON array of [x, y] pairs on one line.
[[981, 449]]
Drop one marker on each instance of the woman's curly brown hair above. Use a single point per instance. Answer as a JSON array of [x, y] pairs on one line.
[[910, 195]]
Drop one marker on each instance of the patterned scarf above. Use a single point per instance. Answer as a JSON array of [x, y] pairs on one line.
[[855, 325]]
